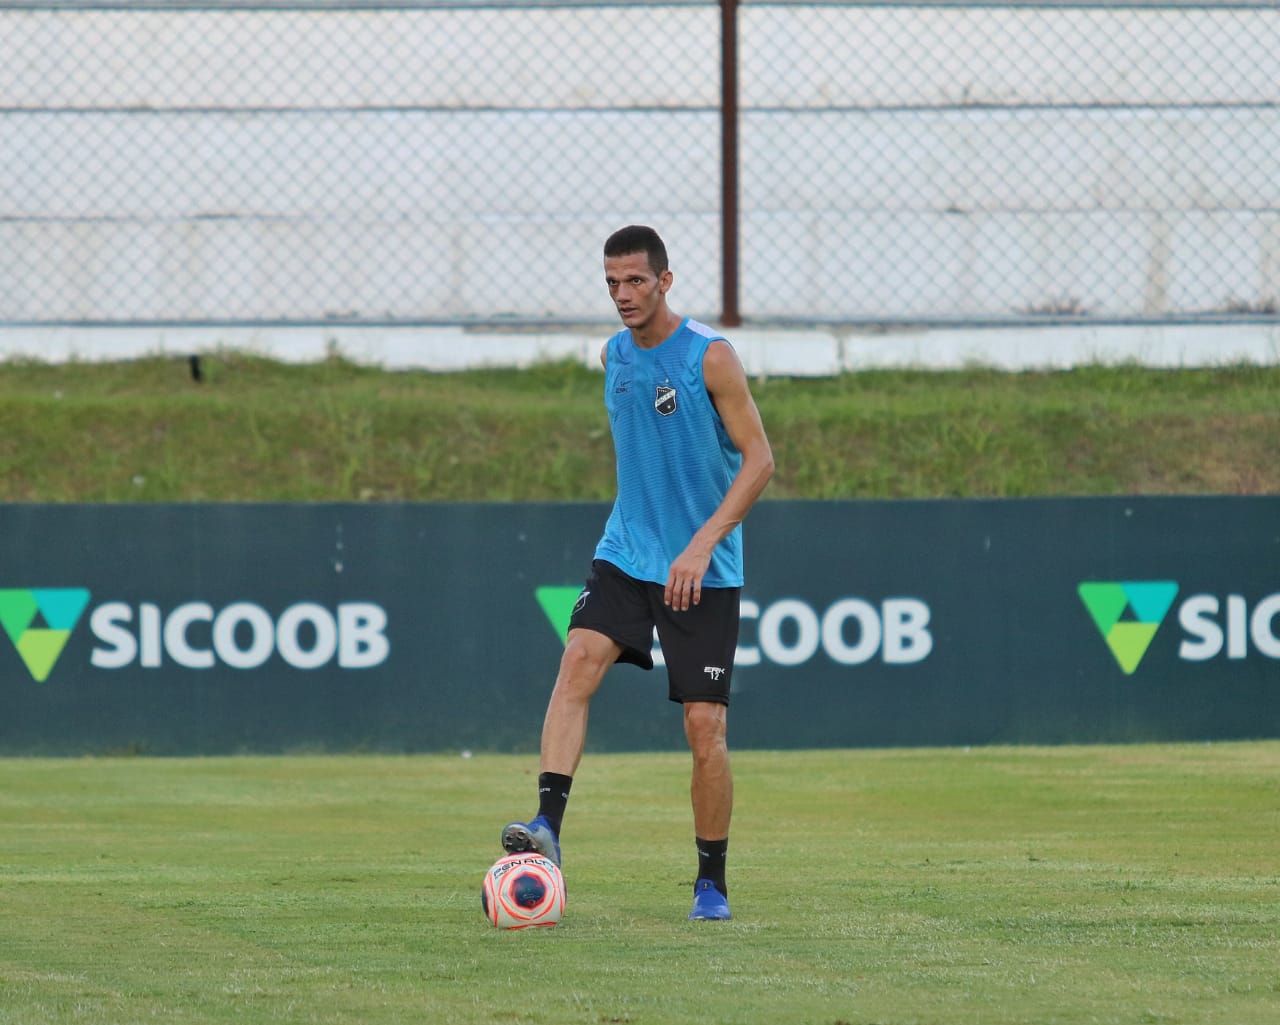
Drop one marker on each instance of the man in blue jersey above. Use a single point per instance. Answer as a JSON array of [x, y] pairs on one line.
[[692, 458]]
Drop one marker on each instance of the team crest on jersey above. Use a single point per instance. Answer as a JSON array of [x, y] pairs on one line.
[[665, 401]]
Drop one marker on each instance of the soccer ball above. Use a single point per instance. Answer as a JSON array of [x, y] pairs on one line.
[[522, 890]]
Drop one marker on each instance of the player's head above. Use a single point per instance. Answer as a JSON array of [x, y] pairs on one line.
[[635, 269], [638, 238]]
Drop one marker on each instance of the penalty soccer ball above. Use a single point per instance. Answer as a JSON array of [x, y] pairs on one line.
[[522, 890]]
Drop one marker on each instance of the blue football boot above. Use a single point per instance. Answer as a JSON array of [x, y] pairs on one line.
[[709, 904], [535, 836]]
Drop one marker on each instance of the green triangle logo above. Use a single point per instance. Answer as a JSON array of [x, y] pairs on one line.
[[557, 605], [40, 644], [1128, 614]]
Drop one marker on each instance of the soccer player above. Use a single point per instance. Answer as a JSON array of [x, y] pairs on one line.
[[692, 458]]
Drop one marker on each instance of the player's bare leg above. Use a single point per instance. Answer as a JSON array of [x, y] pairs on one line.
[[711, 789], [587, 657], [705, 724]]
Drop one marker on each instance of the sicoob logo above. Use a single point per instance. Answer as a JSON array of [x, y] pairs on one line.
[[191, 635], [1128, 614], [39, 621]]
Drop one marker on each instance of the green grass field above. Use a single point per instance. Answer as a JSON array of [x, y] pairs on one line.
[[957, 887]]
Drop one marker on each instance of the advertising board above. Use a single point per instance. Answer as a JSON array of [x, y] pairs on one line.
[[182, 629]]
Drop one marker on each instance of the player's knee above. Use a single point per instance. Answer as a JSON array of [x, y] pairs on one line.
[[582, 665], [705, 725]]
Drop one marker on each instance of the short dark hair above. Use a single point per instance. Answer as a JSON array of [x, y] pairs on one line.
[[638, 238]]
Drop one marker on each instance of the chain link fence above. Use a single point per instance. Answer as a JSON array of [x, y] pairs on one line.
[[276, 162]]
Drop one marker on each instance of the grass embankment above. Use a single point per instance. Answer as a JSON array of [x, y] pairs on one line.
[[255, 430]]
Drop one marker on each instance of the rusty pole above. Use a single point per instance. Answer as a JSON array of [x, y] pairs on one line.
[[729, 313]]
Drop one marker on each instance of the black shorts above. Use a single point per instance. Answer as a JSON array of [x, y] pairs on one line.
[[697, 644]]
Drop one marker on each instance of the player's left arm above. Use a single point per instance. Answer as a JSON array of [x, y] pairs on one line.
[[726, 382]]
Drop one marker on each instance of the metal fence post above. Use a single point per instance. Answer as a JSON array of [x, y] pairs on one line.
[[729, 314]]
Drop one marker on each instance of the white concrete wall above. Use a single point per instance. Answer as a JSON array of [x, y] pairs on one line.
[[765, 352]]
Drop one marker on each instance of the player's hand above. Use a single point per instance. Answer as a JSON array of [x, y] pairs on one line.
[[684, 581]]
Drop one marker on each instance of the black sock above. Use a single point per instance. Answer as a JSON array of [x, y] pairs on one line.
[[711, 859], [553, 795]]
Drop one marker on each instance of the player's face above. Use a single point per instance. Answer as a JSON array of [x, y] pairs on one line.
[[636, 291]]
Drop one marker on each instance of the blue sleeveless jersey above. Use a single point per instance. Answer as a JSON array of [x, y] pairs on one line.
[[675, 459]]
